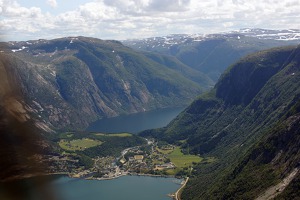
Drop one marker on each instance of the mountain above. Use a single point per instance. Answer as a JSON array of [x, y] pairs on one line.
[[22, 139], [271, 168], [186, 71], [211, 54], [70, 82], [249, 124]]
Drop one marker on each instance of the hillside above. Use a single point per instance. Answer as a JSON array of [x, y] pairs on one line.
[[22, 140], [211, 54], [270, 168], [241, 123], [70, 82]]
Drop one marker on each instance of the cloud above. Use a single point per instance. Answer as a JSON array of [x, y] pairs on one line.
[[97, 11], [148, 6], [11, 9], [120, 19], [169, 5], [52, 3]]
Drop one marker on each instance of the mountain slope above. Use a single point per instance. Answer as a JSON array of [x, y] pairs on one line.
[[272, 160], [248, 100], [22, 138], [71, 82], [211, 54], [188, 72]]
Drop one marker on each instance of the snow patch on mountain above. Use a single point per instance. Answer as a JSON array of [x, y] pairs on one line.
[[178, 39]]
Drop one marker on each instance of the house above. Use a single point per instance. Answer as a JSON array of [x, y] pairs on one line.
[[123, 160], [165, 166], [139, 158]]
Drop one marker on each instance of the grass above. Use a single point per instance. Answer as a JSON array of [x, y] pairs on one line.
[[180, 160], [114, 134], [173, 171], [66, 135], [164, 151], [79, 144]]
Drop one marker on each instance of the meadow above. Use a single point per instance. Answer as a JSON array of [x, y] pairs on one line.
[[114, 134], [78, 144], [181, 160]]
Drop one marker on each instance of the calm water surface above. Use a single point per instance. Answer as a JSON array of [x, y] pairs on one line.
[[136, 122], [125, 188]]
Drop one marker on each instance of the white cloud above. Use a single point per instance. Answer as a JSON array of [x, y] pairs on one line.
[[169, 5], [119, 19], [52, 3]]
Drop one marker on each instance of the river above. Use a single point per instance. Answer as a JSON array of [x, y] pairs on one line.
[[135, 123]]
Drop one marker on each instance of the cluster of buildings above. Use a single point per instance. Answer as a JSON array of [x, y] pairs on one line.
[[136, 160]]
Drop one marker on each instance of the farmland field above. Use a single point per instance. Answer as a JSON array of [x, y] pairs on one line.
[[180, 160], [114, 134], [79, 144]]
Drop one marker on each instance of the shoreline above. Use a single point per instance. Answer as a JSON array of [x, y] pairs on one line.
[[176, 196], [129, 174]]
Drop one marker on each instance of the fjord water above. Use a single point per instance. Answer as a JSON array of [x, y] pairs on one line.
[[134, 123], [60, 187], [126, 187]]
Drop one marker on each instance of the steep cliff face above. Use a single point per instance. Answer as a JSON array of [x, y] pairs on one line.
[[250, 99], [71, 82], [241, 83]]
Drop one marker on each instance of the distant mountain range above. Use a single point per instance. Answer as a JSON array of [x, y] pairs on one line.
[[211, 54], [249, 123]]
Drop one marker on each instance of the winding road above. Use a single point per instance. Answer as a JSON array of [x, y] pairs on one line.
[[177, 197]]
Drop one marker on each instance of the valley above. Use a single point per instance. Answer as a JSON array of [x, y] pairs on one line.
[[231, 102]]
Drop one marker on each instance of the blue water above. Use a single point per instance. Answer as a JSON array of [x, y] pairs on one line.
[[123, 188], [136, 122]]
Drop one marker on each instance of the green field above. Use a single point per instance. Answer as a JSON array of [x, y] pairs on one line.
[[180, 160], [114, 134], [79, 144], [164, 151]]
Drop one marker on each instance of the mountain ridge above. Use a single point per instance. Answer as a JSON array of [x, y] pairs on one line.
[[211, 54], [68, 78]]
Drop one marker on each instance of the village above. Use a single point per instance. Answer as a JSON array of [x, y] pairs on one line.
[[148, 160], [154, 158], [139, 160]]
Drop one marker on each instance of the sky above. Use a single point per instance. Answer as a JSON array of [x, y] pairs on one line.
[[22, 20]]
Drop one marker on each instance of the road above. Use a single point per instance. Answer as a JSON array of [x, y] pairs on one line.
[[177, 196]]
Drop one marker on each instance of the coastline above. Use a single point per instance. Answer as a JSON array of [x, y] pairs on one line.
[[176, 196], [128, 174]]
